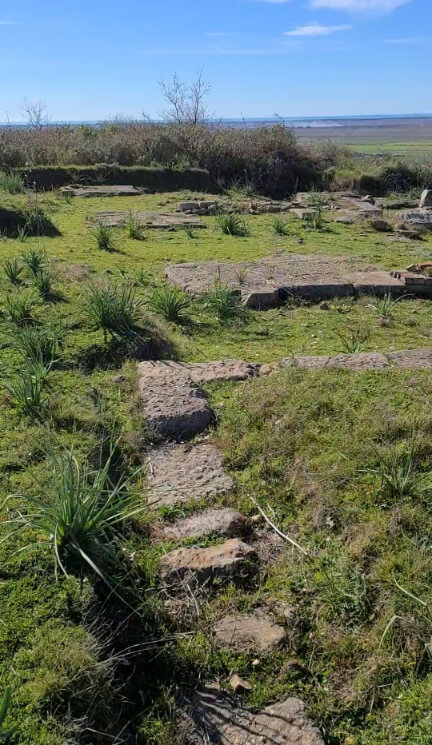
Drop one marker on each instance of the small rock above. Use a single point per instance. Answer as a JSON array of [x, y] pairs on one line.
[[118, 379], [248, 633], [382, 226], [238, 684], [223, 562], [324, 306], [210, 522]]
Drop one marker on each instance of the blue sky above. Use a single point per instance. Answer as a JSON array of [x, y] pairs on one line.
[[91, 59]]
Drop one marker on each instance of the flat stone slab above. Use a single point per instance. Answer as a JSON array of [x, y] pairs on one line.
[[201, 372], [411, 358], [157, 220], [223, 562], [174, 406], [270, 281], [209, 522], [223, 721], [420, 218], [251, 633], [102, 191], [179, 473]]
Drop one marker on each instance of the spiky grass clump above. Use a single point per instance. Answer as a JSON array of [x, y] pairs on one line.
[[11, 182], [114, 309], [35, 260], [27, 393], [43, 282], [134, 230], [280, 226], [19, 308], [171, 302], [354, 341], [234, 225], [39, 344], [13, 270], [81, 517], [103, 235], [224, 303]]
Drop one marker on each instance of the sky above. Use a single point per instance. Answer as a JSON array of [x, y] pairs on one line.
[[97, 59]]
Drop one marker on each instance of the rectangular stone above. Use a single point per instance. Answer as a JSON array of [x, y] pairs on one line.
[[411, 358]]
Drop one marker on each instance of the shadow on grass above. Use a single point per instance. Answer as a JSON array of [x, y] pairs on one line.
[[31, 223]]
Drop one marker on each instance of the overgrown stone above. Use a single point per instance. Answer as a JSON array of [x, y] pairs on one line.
[[209, 522], [221, 720], [229, 560], [178, 473], [250, 633], [104, 190], [157, 220], [426, 198]]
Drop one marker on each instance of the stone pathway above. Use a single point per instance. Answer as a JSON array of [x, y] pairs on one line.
[[156, 220]]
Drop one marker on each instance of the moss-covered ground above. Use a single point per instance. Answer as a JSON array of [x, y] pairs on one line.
[[341, 460]]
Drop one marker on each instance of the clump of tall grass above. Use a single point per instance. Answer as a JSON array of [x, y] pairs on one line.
[[133, 229], [171, 302], [280, 226], [103, 235], [354, 341], [234, 225], [13, 270], [11, 182], [239, 190], [224, 303], [35, 260], [43, 282], [19, 308], [36, 221], [27, 392], [398, 474], [39, 344], [115, 309], [81, 516]]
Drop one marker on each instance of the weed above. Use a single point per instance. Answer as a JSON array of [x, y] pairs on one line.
[[233, 225], [239, 190], [398, 475], [317, 202], [13, 271], [225, 303], [241, 276], [35, 259], [36, 221], [27, 393], [38, 344], [81, 517], [280, 226], [114, 309], [383, 307], [133, 229], [22, 233], [189, 231], [103, 235], [170, 302], [19, 308], [43, 282], [354, 341], [11, 182]]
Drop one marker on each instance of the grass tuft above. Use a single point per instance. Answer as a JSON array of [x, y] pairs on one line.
[[103, 236], [13, 270], [171, 302], [225, 304], [114, 309], [234, 225], [11, 182]]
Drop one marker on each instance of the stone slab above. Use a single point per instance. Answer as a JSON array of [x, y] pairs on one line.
[[174, 406], [102, 191], [249, 633], [420, 218], [179, 473], [223, 721], [411, 358], [378, 283], [229, 560], [156, 220], [209, 522]]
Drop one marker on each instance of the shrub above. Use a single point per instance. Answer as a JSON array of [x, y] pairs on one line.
[[233, 224], [19, 308], [13, 271], [170, 302], [225, 303], [114, 309], [35, 259], [81, 517], [103, 235], [11, 182]]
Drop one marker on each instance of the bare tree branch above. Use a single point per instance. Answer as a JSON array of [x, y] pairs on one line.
[[35, 113], [186, 104]]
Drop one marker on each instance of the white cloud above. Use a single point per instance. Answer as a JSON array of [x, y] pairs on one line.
[[403, 40], [316, 29], [359, 6]]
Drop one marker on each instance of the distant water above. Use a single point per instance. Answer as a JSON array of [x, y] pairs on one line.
[[316, 122]]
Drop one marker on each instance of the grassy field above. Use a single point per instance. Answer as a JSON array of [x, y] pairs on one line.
[[341, 459]]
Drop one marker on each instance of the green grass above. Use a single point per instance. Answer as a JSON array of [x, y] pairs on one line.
[[310, 447]]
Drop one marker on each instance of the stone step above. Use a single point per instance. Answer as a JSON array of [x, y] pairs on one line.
[[249, 633], [222, 720], [209, 522], [178, 473], [229, 560], [420, 359]]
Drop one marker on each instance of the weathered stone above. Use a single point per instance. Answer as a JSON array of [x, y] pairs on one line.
[[178, 473], [420, 218], [368, 198], [223, 562], [210, 522], [381, 226], [303, 214], [377, 283], [198, 207], [355, 362], [105, 190], [157, 220], [411, 358], [174, 406], [199, 372], [251, 633], [398, 204], [261, 298], [426, 198], [239, 684], [224, 722]]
